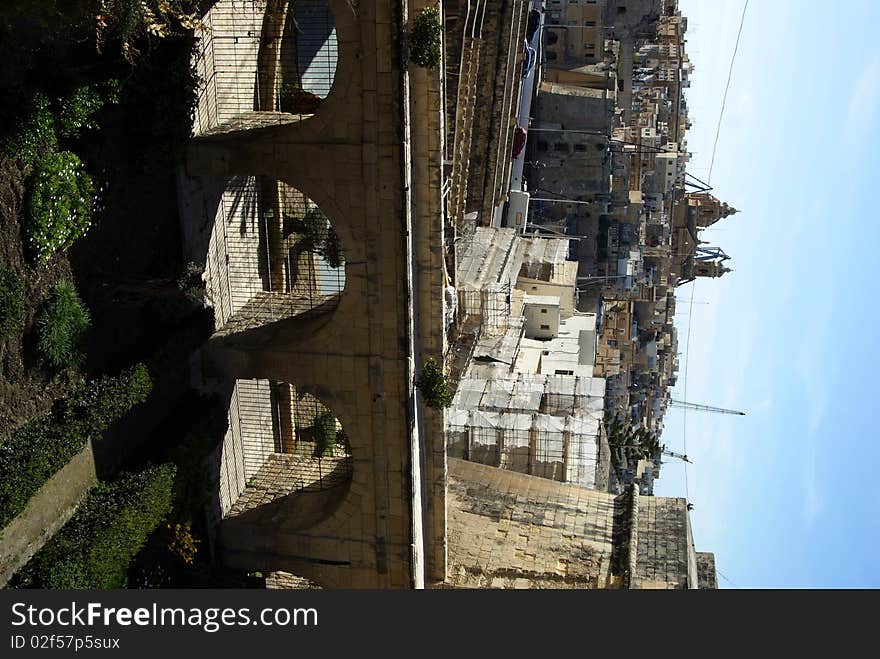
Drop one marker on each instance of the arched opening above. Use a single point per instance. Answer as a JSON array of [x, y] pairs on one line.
[[282, 443], [272, 254], [263, 62]]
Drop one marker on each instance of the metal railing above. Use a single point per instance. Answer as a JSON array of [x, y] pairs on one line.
[[279, 66]]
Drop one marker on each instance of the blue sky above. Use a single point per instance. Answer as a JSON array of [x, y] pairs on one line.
[[788, 495]]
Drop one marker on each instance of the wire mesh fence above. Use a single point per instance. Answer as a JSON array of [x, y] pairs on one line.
[[272, 255], [273, 58], [279, 442]]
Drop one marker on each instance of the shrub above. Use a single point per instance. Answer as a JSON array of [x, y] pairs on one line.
[[99, 403], [95, 548], [296, 100], [60, 201], [32, 133], [78, 112], [38, 449], [191, 283], [321, 238], [424, 42], [434, 385], [182, 543], [325, 434], [342, 441], [161, 97], [331, 249], [62, 326], [11, 302]]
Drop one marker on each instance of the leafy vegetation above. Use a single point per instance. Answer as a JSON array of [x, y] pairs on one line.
[[59, 204], [342, 441], [636, 442], [62, 326], [78, 112], [159, 103], [297, 100], [321, 238], [434, 385], [94, 549], [11, 302], [38, 449], [32, 132], [325, 434], [424, 42], [128, 21], [175, 553]]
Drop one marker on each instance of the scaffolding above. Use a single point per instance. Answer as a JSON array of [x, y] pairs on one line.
[[262, 62], [547, 426]]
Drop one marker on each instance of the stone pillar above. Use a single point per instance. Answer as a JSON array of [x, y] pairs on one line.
[[270, 49]]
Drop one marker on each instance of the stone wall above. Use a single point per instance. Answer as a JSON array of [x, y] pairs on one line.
[[707, 578], [510, 530], [665, 556], [47, 511]]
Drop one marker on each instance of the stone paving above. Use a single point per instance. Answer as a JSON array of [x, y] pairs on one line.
[[284, 474]]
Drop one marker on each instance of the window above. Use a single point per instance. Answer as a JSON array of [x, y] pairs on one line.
[[545, 327], [580, 147], [561, 372], [545, 352], [560, 146], [591, 23], [543, 310], [612, 343], [551, 56]]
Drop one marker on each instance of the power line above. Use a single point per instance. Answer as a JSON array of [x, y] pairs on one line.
[[742, 22], [694, 283], [725, 578]]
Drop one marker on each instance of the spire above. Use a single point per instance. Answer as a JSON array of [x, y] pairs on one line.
[[727, 210]]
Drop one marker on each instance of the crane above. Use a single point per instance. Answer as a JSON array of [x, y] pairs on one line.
[[673, 454], [703, 408]]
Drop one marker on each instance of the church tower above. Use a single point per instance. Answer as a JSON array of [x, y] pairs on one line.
[[707, 209], [712, 269]]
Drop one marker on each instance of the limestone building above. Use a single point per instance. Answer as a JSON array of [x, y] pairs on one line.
[[512, 530]]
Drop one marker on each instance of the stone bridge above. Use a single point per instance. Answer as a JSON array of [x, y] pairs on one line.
[[368, 155]]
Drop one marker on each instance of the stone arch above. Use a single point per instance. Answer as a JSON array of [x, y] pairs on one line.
[[271, 254], [285, 460], [267, 62]]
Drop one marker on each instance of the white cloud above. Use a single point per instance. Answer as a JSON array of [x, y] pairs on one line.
[[863, 102]]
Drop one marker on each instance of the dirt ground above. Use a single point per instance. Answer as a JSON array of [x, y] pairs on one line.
[[26, 388]]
